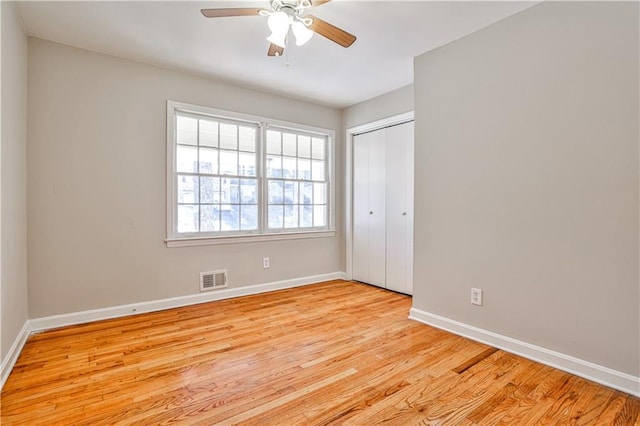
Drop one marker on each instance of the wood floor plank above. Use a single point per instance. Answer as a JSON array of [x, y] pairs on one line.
[[473, 361], [331, 353], [500, 402], [467, 395], [239, 418], [628, 415], [531, 407]]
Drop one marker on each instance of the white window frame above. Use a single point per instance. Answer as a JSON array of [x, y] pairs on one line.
[[174, 239]]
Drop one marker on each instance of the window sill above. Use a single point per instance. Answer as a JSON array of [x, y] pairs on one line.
[[212, 241]]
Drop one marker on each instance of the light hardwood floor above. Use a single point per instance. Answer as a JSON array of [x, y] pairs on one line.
[[331, 353]]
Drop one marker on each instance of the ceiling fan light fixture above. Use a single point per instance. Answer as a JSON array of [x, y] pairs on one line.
[[301, 32], [284, 15]]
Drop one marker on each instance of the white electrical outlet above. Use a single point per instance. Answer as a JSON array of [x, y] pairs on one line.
[[476, 296], [266, 263]]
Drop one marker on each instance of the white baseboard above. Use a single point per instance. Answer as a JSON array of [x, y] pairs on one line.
[[74, 318], [55, 321], [597, 373], [14, 352]]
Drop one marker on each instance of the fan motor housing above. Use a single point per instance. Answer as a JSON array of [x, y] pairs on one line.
[[294, 5]]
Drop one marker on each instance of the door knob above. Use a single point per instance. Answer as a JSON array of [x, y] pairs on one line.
[[404, 213], [370, 212]]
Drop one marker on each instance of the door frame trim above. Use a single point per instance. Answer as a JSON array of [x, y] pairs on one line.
[[348, 175]]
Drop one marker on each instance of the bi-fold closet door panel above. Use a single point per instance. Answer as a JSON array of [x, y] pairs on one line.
[[399, 203], [369, 204], [383, 208]]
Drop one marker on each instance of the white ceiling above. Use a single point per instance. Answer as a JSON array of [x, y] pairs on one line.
[[173, 34]]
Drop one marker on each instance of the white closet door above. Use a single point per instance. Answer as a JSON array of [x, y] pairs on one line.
[[369, 199], [377, 208], [360, 259], [399, 201]]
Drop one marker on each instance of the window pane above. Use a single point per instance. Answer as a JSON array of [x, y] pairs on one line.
[[304, 169], [318, 170], [291, 192], [319, 193], [209, 218], [208, 160], [247, 139], [289, 167], [248, 191], [290, 216], [247, 164], [289, 144], [274, 166], [306, 193], [233, 191], [276, 192], [186, 159], [209, 190], [187, 218], [226, 190], [187, 189], [228, 136], [230, 215], [273, 142], [248, 217], [208, 133], [306, 216], [228, 163], [186, 130], [318, 150], [304, 146], [276, 214], [319, 218]]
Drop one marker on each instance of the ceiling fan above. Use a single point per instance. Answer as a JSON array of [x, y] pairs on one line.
[[285, 15]]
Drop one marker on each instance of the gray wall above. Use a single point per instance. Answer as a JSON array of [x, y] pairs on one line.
[[527, 180], [392, 103], [96, 185], [13, 146]]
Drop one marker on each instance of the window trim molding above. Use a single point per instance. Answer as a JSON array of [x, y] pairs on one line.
[[174, 240], [212, 241]]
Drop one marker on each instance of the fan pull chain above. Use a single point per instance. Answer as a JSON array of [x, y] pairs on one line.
[[286, 53]]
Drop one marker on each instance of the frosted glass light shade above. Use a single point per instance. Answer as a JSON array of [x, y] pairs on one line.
[[302, 33], [279, 39], [278, 22], [279, 25]]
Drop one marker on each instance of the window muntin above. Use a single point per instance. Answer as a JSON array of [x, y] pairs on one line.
[[234, 175]]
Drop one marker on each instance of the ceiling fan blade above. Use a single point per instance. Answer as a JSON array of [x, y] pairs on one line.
[[275, 50], [331, 32], [315, 3], [237, 11]]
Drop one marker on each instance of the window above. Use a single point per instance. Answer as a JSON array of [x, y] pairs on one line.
[[231, 176], [296, 180]]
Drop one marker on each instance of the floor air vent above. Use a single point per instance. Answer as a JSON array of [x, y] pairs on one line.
[[213, 280]]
